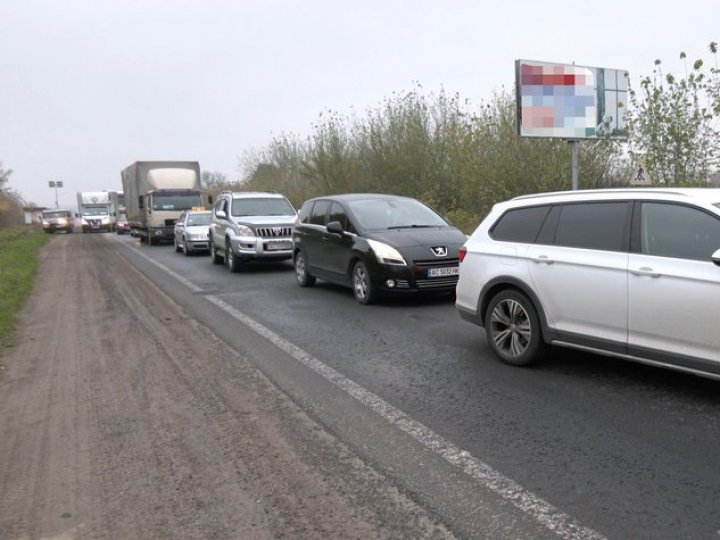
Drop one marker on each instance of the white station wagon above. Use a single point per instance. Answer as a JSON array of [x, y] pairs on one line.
[[630, 273]]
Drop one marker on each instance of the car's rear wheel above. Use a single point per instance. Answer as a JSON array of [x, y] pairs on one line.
[[214, 256], [363, 289], [304, 278], [513, 329]]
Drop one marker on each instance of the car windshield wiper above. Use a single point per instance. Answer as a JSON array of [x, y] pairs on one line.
[[412, 226]]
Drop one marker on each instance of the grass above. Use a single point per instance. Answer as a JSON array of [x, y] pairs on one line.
[[19, 248]]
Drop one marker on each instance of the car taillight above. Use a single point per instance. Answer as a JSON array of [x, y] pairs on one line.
[[461, 253]]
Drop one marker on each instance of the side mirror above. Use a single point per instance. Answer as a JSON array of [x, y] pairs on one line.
[[221, 214], [335, 227], [716, 257], [179, 224]]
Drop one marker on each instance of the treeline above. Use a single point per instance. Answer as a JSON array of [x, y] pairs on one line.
[[433, 147], [11, 204]]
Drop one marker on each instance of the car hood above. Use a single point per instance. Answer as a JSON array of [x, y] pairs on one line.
[[450, 237], [265, 220]]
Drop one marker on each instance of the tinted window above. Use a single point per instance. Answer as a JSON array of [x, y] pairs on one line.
[[671, 230], [317, 217], [337, 213], [304, 214], [593, 226], [520, 225]]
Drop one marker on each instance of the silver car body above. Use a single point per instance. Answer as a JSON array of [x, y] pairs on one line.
[[654, 300], [189, 234]]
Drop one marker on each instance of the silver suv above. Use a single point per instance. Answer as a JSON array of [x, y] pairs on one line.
[[630, 273], [248, 226]]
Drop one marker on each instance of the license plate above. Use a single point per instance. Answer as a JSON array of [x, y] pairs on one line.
[[444, 271], [278, 246]]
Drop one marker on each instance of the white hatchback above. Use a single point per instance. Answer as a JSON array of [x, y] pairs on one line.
[[631, 273]]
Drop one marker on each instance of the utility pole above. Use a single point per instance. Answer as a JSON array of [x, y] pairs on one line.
[[56, 185]]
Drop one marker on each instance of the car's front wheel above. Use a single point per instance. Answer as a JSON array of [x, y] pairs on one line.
[[185, 248], [233, 263], [177, 246], [363, 289], [304, 278], [513, 330]]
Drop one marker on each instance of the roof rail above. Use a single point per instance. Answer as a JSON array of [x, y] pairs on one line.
[[609, 191]]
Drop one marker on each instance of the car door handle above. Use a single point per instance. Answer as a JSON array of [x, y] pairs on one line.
[[645, 271], [543, 259]]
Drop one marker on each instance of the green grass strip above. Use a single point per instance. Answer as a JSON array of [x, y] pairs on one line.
[[19, 248]]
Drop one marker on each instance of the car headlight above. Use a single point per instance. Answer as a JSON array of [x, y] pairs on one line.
[[244, 230], [198, 237], [386, 254]]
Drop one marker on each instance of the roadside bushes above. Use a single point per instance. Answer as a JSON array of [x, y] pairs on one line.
[[431, 146]]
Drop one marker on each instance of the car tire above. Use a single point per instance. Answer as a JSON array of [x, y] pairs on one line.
[[150, 240], [214, 257], [362, 286], [177, 246], [185, 249], [512, 327], [304, 278], [233, 263]]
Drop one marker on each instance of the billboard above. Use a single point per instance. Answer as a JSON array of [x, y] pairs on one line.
[[569, 101]]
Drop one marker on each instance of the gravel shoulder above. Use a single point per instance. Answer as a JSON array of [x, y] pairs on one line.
[[122, 417]]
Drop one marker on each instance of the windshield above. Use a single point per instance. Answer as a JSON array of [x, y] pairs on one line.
[[378, 214], [175, 201], [262, 207], [95, 211], [56, 214], [198, 219]]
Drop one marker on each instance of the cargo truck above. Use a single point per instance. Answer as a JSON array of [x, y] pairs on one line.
[[95, 211], [156, 193]]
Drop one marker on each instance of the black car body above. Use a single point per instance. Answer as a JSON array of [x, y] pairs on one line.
[[376, 244]]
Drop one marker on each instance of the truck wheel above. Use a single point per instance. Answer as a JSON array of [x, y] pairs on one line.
[[214, 257]]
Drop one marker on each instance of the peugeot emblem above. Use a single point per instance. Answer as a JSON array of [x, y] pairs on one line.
[[439, 251]]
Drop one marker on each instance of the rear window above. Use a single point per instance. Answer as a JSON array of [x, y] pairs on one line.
[[520, 224]]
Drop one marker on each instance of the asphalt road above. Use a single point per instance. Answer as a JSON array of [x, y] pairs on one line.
[[613, 448]]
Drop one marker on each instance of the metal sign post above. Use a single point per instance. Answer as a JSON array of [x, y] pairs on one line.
[[574, 153], [56, 185]]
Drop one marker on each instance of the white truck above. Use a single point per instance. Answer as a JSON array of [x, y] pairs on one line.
[[95, 211], [156, 193]]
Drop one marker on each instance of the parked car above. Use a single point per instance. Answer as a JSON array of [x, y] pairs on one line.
[[376, 244], [191, 231], [58, 220], [251, 226], [121, 224], [630, 273]]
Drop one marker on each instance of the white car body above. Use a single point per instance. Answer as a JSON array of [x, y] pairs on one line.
[[653, 299]]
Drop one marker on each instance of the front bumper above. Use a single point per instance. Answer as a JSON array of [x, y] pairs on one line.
[[414, 277], [252, 247], [96, 227]]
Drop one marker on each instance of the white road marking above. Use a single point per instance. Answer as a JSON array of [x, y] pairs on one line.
[[560, 523], [543, 512]]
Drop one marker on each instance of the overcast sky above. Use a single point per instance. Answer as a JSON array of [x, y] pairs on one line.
[[89, 86]]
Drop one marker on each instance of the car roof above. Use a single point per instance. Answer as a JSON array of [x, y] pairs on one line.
[[343, 197], [253, 194], [704, 195]]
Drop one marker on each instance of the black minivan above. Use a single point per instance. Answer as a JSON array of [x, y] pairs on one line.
[[377, 244]]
